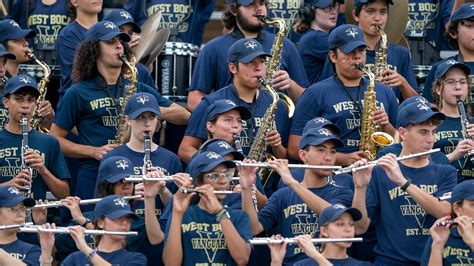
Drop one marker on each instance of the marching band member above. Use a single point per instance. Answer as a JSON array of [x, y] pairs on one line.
[[404, 193], [288, 210], [452, 81], [453, 243], [207, 232], [342, 103], [246, 63], [241, 16], [316, 19], [44, 156], [112, 213], [13, 208], [304, 242], [92, 104]]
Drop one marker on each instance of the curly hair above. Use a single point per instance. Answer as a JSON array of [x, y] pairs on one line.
[[228, 17], [85, 59]]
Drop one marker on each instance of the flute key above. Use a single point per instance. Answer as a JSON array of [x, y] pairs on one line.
[[267, 240], [217, 192]]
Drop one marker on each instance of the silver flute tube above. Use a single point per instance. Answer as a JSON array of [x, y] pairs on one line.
[[65, 230], [267, 240], [139, 179], [217, 192], [58, 203], [443, 223], [12, 226], [304, 166], [351, 169]]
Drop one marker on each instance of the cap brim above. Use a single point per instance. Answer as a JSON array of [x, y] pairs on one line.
[[247, 59], [116, 178], [323, 4], [209, 167], [319, 141], [454, 200], [133, 115], [28, 202], [332, 127], [355, 213], [349, 47], [135, 26], [21, 34], [120, 213], [237, 155], [424, 117], [35, 90], [463, 67], [109, 36], [8, 56]]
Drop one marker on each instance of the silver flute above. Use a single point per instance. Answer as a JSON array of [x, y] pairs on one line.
[[12, 226], [24, 149], [217, 192], [267, 240], [56, 204], [351, 169], [140, 179], [444, 223], [304, 166], [65, 230]]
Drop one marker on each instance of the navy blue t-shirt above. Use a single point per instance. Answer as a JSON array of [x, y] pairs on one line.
[[455, 251], [189, 16], [437, 157], [66, 44], [46, 20], [25, 252], [286, 214], [197, 122], [425, 14], [448, 135], [398, 59], [90, 108], [47, 146], [313, 48], [211, 71], [388, 205], [329, 99], [343, 180], [336, 262], [118, 257], [202, 238]]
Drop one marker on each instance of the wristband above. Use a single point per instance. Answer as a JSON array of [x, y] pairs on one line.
[[406, 185], [90, 255], [222, 214], [84, 224], [47, 260]]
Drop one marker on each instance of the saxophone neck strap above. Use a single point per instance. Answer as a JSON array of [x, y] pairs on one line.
[[253, 106], [101, 83]]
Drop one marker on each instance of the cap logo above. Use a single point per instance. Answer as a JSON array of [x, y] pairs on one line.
[[472, 7], [14, 190], [110, 25], [423, 104], [352, 32], [125, 14], [319, 120], [213, 155], [120, 202], [25, 80], [143, 99], [230, 102], [121, 164], [14, 24], [250, 44], [224, 145], [324, 132], [451, 62], [338, 206]]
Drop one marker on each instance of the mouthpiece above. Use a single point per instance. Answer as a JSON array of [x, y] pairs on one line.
[[360, 66], [262, 18], [123, 58], [263, 81]]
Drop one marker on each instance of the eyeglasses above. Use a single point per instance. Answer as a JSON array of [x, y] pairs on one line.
[[18, 210], [453, 82], [226, 174], [328, 9]]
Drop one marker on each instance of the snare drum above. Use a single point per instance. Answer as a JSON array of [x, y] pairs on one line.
[[174, 68]]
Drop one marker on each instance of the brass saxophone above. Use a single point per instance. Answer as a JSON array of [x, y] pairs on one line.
[[370, 139], [132, 75], [43, 89], [381, 55]]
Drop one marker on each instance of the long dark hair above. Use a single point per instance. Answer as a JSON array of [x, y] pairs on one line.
[[85, 59], [306, 15]]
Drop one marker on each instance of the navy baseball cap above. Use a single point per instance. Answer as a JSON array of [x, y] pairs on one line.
[[10, 196], [141, 102], [105, 31], [10, 30], [346, 37], [334, 212], [466, 11], [447, 65], [222, 106], [321, 122], [241, 2], [245, 50], [360, 2], [114, 169], [5, 53], [205, 162], [113, 207], [121, 17], [317, 136], [463, 191], [417, 111], [23, 81], [220, 147]]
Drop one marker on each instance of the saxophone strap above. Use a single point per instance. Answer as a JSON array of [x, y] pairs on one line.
[[250, 124], [239, 35], [101, 83]]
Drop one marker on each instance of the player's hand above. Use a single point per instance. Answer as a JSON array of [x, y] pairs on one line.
[[362, 177], [99, 152], [22, 180], [391, 78], [46, 110], [273, 138], [281, 80]]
